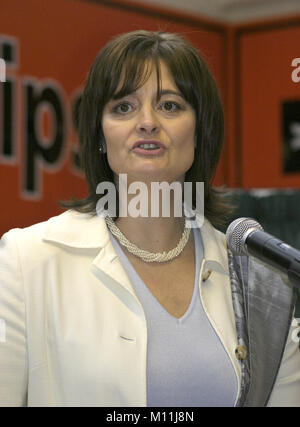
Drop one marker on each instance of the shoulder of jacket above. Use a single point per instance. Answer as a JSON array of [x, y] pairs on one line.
[[71, 228], [32, 231]]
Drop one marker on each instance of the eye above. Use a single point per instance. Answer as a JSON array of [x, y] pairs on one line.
[[122, 108], [171, 106]]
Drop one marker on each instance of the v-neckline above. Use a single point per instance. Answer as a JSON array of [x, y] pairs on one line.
[[152, 296]]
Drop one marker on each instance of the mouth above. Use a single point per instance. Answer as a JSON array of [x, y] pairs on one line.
[[148, 148]]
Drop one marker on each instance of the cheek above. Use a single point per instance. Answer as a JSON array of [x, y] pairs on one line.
[[116, 133], [185, 135], [109, 131], [115, 136], [186, 140]]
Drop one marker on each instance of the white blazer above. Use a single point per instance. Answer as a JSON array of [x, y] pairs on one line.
[[72, 331]]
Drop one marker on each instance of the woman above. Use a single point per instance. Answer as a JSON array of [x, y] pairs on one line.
[[148, 310]]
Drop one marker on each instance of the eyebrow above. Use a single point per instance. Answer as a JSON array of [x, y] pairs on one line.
[[163, 92], [171, 92]]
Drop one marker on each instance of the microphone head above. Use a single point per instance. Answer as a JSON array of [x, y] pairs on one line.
[[237, 232]]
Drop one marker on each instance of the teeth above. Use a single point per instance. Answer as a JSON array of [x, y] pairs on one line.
[[148, 146]]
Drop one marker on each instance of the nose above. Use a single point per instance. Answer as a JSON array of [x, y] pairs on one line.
[[148, 122]]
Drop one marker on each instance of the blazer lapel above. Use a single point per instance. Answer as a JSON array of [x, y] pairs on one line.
[[84, 231], [108, 268]]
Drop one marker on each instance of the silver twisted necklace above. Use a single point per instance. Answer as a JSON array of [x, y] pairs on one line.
[[145, 255]]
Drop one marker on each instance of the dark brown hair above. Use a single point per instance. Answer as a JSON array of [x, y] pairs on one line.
[[126, 58]]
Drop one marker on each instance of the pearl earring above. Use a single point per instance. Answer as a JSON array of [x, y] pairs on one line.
[[102, 147]]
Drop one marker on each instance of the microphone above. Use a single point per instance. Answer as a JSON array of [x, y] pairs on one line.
[[245, 236]]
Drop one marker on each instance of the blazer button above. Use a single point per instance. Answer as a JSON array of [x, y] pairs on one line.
[[206, 275], [241, 352]]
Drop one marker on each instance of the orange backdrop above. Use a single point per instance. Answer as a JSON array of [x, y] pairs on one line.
[[49, 47], [263, 54]]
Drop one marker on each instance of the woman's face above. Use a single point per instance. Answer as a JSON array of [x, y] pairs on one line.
[[138, 118]]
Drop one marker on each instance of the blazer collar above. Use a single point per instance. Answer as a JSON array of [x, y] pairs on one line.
[[86, 231], [77, 230]]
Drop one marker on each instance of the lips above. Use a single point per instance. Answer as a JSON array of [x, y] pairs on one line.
[[147, 141], [153, 152]]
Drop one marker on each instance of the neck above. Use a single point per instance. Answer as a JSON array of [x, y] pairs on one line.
[[158, 233], [152, 234]]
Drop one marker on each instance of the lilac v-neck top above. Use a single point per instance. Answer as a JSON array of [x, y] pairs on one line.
[[187, 364]]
